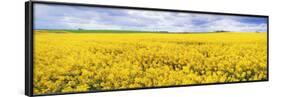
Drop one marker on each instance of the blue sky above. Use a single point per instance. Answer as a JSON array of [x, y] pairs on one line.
[[74, 17]]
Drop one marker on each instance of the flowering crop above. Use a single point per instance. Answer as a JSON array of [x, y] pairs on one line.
[[75, 62]]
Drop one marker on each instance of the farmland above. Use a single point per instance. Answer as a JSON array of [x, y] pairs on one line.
[[71, 61]]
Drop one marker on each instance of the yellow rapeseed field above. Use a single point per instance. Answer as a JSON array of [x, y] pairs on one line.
[[75, 62]]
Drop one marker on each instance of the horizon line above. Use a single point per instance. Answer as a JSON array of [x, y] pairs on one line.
[[151, 30]]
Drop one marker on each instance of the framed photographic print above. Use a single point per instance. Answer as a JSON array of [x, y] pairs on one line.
[[82, 48]]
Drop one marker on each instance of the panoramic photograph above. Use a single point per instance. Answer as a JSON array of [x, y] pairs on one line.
[[83, 48]]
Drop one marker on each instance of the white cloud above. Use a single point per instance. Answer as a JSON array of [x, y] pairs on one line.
[[234, 25], [73, 17]]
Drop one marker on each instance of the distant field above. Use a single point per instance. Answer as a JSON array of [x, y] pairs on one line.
[[82, 60], [118, 31]]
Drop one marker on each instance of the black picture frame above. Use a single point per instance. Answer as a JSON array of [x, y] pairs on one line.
[[29, 44]]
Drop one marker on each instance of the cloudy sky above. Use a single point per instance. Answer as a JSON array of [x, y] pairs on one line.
[[74, 17]]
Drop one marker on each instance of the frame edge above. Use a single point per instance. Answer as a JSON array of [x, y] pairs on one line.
[[28, 46]]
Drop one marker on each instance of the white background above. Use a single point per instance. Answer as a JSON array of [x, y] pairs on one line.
[[12, 48]]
